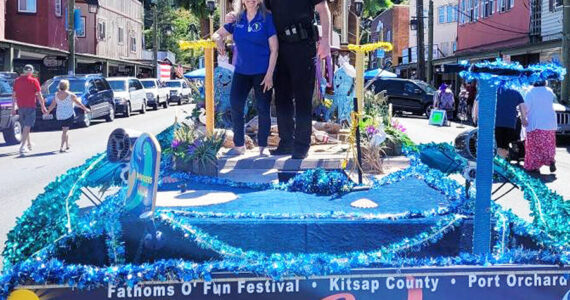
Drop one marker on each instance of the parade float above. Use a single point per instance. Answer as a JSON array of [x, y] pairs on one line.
[[164, 232]]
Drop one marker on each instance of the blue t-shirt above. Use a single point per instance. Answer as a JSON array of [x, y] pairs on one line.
[[507, 102], [252, 43]]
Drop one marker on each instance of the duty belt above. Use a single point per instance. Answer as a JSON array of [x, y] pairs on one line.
[[299, 32]]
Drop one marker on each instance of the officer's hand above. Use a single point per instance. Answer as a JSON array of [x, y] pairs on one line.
[[230, 17], [324, 49], [267, 82]]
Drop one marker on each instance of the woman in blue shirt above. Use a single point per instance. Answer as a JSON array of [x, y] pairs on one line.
[[256, 43]]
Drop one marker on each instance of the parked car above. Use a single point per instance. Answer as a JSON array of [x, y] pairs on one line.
[[406, 95], [129, 95], [9, 125], [92, 90], [180, 91], [563, 118], [156, 93]]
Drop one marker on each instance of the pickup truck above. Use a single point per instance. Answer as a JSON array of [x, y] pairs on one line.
[[156, 94]]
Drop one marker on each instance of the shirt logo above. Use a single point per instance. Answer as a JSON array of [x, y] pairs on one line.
[[255, 27]]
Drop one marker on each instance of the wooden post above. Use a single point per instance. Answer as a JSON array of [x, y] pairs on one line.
[[210, 111], [359, 83]]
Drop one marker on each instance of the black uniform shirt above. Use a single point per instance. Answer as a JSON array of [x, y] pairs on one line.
[[289, 12]]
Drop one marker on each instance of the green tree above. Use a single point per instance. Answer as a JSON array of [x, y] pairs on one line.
[[373, 7], [199, 9], [173, 26]]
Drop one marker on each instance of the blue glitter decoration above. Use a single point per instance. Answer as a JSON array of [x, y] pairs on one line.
[[38, 266]]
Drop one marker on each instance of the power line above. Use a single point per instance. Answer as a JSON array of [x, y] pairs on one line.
[[489, 25]]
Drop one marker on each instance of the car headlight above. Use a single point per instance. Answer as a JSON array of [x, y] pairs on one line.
[[120, 100]]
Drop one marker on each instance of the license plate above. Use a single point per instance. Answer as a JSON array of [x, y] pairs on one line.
[[47, 117], [172, 92]]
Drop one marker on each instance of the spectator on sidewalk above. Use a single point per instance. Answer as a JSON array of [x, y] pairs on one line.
[[540, 122], [65, 113], [444, 100], [26, 95], [471, 96], [508, 102]]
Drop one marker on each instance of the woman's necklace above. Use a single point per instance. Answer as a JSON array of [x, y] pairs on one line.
[[249, 28]]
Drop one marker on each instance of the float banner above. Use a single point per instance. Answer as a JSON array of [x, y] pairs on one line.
[[144, 168], [492, 283]]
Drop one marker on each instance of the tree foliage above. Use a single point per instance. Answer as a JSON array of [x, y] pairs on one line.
[[373, 7]]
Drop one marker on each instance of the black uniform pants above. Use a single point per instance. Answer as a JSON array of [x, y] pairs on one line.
[[295, 79]]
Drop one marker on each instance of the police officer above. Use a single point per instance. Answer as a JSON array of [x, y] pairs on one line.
[[295, 73]]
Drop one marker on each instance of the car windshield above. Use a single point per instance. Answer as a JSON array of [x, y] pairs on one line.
[[426, 87], [173, 84], [5, 88], [118, 85], [148, 84], [76, 86]]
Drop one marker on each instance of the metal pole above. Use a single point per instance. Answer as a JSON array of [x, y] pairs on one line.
[[155, 41], [430, 44], [345, 13], [566, 50], [71, 35], [358, 149], [420, 39], [485, 156]]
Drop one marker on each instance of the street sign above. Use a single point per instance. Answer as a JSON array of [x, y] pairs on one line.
[[52, 62], [437, 117]]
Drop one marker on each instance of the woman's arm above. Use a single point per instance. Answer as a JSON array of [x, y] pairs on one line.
[[74, 98], [219, 37], [52, 104], [274, 47], [524, 113]]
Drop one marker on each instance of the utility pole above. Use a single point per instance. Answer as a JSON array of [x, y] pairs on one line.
[[566, 50], [420, 39], [155, 40], [71, 35], [430, 44]]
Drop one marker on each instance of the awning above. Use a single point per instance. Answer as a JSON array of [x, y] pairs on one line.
[[196, 74], [370, 74]]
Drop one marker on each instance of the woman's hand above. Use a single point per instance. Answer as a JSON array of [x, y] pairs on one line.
[[221, 46], [267, 82]]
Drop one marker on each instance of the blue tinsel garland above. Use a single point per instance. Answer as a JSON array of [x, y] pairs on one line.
[[547, 230]]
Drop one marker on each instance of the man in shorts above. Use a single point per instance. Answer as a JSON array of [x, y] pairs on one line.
[[26, 95]]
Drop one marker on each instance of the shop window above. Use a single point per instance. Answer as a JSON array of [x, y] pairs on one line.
[[57, 8], [463, 12], [133, 44], [121, 35], [554, 4], [449, 14], [27, 6], [101, 30]]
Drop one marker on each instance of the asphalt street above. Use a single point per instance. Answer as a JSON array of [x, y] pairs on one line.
[[23, 178], [420, 132]]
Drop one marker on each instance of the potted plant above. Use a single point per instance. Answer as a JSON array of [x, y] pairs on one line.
[[193, 152]]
